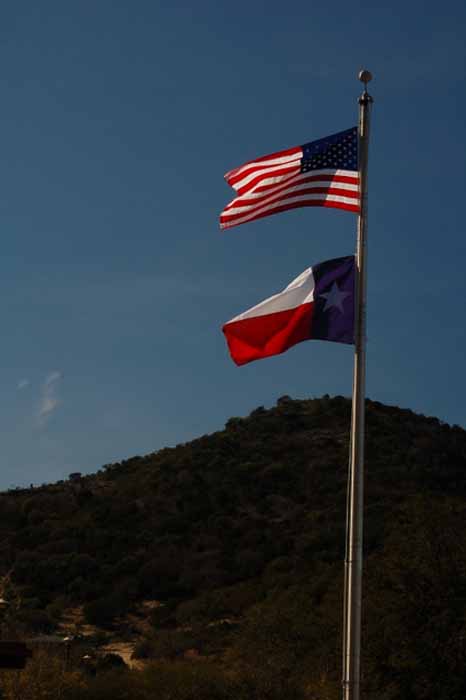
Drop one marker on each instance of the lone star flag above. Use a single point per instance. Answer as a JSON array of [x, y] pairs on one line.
[[318, 304], [322, 173]]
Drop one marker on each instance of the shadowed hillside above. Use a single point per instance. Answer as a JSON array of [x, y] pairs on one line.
[[239, 536]]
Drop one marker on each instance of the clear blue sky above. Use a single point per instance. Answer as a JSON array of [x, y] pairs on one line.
[[118, 121]]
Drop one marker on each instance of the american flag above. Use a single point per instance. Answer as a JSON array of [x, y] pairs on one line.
[[322, 173]]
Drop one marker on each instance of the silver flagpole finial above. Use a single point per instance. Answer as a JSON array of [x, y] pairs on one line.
[[365, 76]]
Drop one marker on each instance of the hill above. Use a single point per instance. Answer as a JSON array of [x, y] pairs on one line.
[[238, 537]]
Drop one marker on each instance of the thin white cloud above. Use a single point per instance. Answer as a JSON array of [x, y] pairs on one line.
[[52, 378], [49, 399], [23, 384]]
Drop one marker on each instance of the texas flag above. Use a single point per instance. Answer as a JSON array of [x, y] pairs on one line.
[[317, 305]]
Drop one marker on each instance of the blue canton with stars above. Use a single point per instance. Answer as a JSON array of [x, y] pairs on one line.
[[339, 151]]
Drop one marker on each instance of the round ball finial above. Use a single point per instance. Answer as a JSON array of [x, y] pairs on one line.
[[365, 76]]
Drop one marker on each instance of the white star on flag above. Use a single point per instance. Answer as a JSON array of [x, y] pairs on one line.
[[335, 298]]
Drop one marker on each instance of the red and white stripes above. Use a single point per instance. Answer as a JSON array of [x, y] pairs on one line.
[[274, 325], [275, 183]]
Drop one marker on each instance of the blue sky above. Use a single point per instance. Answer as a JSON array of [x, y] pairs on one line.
[[118, 121]]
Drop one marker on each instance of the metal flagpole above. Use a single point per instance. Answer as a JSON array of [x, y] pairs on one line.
[[354, 515]]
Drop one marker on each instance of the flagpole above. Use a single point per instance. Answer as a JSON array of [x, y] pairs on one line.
[[354, 515]]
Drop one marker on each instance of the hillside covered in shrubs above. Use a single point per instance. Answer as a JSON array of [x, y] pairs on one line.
[[239, 536]]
